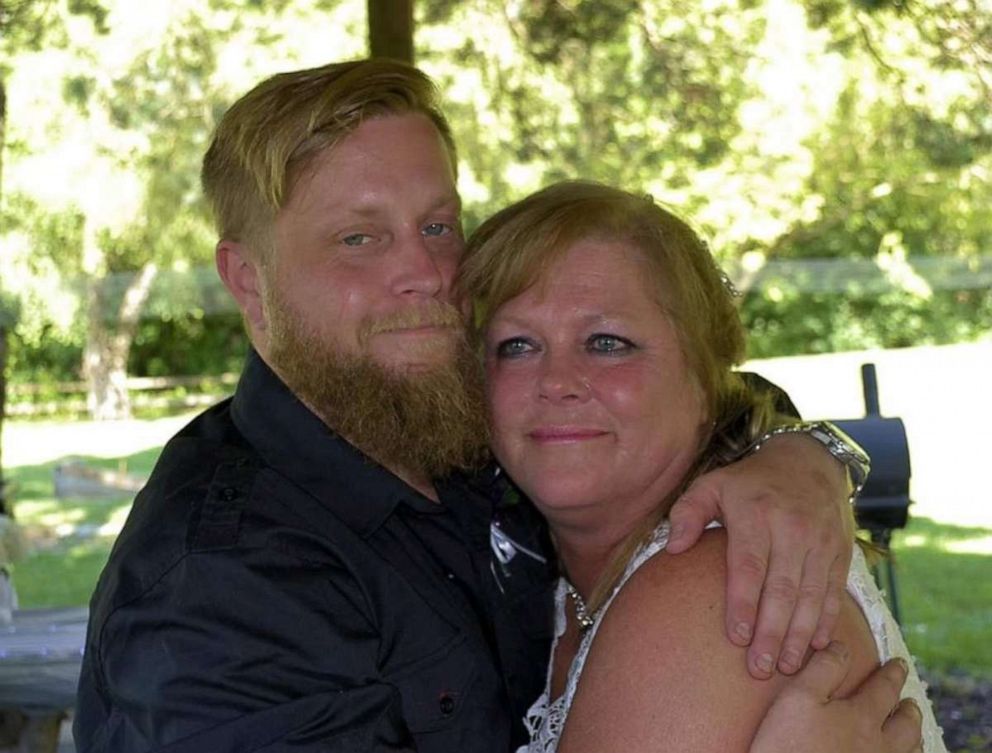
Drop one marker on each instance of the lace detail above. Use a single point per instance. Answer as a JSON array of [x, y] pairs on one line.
[[545, 720], [889, 643]]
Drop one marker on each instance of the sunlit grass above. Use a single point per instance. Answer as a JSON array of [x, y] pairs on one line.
[[944, 581], [62, 576], [981, 543], [76, 517]]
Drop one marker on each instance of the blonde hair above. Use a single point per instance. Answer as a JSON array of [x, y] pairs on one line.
[[274, 131], [515, 247]]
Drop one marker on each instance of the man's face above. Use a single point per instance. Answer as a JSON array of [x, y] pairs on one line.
[[367, 246], [357, 301]]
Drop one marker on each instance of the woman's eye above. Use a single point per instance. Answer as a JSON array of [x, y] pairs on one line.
[[513, 347], [602, 343], [436, 229], [356, 239]]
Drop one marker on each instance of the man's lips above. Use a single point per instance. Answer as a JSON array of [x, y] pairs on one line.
[[561, 434]]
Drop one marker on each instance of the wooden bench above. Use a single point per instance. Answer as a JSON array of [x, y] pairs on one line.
[[41, 651]]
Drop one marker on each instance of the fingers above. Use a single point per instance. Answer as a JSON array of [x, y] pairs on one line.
[[825, 672], [689, 516], [748, 551], [809, 613], [880, 692], [836, 582], [902, 731], [779, 597]]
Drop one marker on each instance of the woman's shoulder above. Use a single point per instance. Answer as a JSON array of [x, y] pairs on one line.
[[668, 585], [662, 664], [688, 592]]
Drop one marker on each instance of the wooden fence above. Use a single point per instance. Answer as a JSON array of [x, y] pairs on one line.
[[147, 393]]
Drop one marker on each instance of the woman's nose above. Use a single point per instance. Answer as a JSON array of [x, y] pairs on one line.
[[562, 379]]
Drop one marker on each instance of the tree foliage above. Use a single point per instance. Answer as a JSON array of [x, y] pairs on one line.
[[788, 130]]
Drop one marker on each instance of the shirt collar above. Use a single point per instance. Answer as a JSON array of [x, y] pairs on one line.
[[301, 447]]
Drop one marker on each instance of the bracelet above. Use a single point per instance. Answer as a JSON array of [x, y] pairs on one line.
[[836, 442]]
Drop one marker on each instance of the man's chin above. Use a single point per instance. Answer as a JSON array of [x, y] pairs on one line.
[[416, 409]]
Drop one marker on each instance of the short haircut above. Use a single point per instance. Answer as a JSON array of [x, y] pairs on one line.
[[273, 132], [512, 250]]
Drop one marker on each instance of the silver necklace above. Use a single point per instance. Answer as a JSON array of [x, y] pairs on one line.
[[582, 615]]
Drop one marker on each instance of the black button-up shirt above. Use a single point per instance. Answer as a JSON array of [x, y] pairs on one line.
[[274, 589]]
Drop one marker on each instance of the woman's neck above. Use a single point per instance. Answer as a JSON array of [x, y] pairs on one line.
[[586, 551]]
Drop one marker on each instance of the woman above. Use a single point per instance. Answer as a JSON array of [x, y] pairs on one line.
[[609, 338]]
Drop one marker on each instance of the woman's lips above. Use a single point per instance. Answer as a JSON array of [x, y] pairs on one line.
[[551, 434]]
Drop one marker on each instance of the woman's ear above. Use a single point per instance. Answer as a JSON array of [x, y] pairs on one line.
[[242, 277]]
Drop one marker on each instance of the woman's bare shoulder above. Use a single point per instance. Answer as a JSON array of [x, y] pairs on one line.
[[661, 674]]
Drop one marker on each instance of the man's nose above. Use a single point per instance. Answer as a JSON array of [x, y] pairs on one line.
[[418, 270]]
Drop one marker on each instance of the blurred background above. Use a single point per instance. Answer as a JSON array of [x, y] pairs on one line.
[[836, 153]]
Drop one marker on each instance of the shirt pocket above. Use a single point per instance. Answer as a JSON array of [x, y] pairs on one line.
[[435, 689]]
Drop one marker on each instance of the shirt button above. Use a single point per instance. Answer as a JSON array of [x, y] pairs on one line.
[[229, 494], [446, 703]]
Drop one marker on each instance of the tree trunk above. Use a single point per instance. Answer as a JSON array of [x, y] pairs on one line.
[[391, 29], [108, 344], [3, 127], [4, 506]]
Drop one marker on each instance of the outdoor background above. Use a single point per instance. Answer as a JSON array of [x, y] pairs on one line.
[[836, 153]]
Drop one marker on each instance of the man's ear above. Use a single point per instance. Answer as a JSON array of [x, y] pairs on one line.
[[242, 277]]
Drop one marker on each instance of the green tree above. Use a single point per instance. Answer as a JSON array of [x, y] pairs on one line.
[[787, 130], [26, 25], [901, 177], [165, 102]]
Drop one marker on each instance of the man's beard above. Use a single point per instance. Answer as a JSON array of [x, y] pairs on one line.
[[426, 423]]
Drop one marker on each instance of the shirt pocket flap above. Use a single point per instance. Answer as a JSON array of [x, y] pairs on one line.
[[436, 688]]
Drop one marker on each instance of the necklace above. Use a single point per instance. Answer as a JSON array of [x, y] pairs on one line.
[[582, 615]]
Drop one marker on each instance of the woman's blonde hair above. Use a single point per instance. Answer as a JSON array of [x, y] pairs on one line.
[[274, 131], [514, 248]]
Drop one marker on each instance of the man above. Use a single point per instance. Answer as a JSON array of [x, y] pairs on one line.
[[315, 564]]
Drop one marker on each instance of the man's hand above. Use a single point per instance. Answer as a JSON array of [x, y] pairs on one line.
[[791, 535], [872, 720]]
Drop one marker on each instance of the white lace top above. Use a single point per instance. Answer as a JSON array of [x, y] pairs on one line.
[[545, 720]]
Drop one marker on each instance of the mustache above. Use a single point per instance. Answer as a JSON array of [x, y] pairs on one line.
[[430, 314]]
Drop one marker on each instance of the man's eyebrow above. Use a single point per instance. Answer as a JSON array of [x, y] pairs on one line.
[[442, 201], [373, 209]]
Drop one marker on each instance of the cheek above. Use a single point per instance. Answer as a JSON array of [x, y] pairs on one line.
[[506, 395], [646, 399], [626, 389], [447, 264]]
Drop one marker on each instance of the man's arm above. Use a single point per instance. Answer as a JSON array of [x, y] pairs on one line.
[[791, 539], [872, 720], [216, 657]]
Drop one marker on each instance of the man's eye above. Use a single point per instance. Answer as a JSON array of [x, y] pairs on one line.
[[513, 347], [603, 343], [436, 229], [356, 239]]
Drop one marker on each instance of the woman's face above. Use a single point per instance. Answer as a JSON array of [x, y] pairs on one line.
[[592, 404]]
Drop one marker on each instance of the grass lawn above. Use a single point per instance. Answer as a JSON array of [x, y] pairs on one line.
[[944, 584], [943, 560]]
